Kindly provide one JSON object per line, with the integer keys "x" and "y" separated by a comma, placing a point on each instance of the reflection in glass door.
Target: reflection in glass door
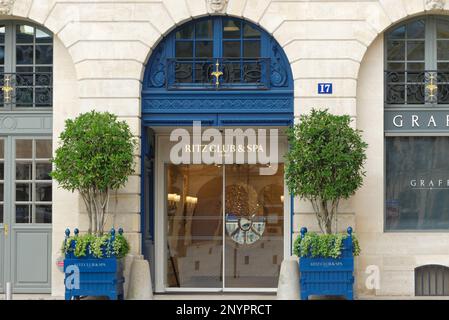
{"x": 195, "y": 230}
{"x": 254, "y": 219}
{"x": 216, "y": 240}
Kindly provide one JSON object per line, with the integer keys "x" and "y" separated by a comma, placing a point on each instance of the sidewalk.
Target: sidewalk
{"x": 170, "y": 296}
{"x": 29, "y": 296}
{"x": 224, "y": 296}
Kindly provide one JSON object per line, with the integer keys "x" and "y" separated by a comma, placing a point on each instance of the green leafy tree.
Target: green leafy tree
{"x": 95, "y": 156}
{"x": 325, "y": 162}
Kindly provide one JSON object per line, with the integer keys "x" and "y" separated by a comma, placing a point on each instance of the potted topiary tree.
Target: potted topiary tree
{"x": 95, "y": 157}
{"x": 325, "y": 165}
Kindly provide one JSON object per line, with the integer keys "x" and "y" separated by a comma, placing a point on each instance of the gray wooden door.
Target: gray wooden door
{"x": 25, "y": 245}
{"x": 26, "y": 100}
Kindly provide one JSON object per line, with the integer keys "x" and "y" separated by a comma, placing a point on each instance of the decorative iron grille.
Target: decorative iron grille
{"x": 416, "y": 87}
{"x": 218, "y": 73}
{"x": 26, "y": 89}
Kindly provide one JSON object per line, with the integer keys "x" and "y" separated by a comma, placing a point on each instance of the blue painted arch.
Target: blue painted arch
{"x": 267, "y": 103}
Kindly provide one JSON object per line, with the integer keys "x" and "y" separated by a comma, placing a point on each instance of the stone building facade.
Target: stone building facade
{"x": 100, "y": 52}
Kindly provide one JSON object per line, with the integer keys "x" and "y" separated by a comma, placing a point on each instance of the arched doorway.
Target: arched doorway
{"x": 26, "y": 100}
{"x": 220, "y": 225}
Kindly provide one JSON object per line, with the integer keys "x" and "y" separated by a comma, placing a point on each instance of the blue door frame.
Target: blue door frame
{"x": 234, "y": 104}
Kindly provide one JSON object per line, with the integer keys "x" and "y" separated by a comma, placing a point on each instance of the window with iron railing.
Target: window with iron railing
{"x": 237, "y": 73}
{"x": 218, "y": 53}
{"x": 417, "y": 63}
{"x": 26, "y": 67}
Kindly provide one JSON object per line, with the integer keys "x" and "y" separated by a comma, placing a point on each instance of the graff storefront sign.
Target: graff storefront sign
{"x": 416, "y": 121}
{"x": 429, "y": 184}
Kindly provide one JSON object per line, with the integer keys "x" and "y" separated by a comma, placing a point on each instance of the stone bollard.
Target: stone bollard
{"x": 288, "y": 286}
{"x": 8, "y": 292}
{"x": 140, "y": 286}
{"x": 127, "y": 262}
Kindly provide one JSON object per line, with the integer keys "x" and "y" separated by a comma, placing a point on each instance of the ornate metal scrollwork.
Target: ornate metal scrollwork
{"x": 27, "y": 89}
{"x": 252, "y": 73}
{"x": 416, "y": 87}
{"x": 443, "y": 87}
{"x": 228, "y": 74}
{"x": 157, "y": 68}
{"x": 279, "y": 75}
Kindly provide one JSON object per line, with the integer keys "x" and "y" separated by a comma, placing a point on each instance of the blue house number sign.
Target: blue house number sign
{"x": 324, "y": 88}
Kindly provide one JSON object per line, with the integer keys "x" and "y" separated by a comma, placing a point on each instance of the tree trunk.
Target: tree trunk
{"x": 328, "y": 225}
{"x": 94, "y": 213}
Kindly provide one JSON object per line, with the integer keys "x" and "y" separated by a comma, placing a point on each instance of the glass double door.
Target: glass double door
{"x": 25, "y": 213}
{"x": 224, "y": 226}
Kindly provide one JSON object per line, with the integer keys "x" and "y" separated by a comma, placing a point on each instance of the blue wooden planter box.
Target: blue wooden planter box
{"x": 328, "y": 276}
{"x": 91, "y": 276}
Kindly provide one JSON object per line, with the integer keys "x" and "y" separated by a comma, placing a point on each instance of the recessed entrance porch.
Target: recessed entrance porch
{"x": 218, "y": 227}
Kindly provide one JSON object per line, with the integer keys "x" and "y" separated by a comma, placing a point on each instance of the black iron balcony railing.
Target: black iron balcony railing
{"x": 26, "y": 89}
{"x": 416, "y": 87}
{"x": 218, "y": 73}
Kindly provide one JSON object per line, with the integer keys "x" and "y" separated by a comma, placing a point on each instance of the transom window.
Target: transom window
{"x": 229, "y": 47}
{"x": 26, "y": 66}
{"x": 417, "y": 62}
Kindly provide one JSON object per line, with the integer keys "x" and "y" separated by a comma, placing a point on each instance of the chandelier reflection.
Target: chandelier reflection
{"x": 173, "y": 200}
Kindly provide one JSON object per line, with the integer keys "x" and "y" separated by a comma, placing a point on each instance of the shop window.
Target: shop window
{"x": 417, "y": 125}
{"x": 417, "y": 183}
{"x": 432, "y": 280}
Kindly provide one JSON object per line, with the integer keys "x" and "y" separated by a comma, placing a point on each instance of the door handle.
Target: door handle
{"x": 6, "y": 229}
